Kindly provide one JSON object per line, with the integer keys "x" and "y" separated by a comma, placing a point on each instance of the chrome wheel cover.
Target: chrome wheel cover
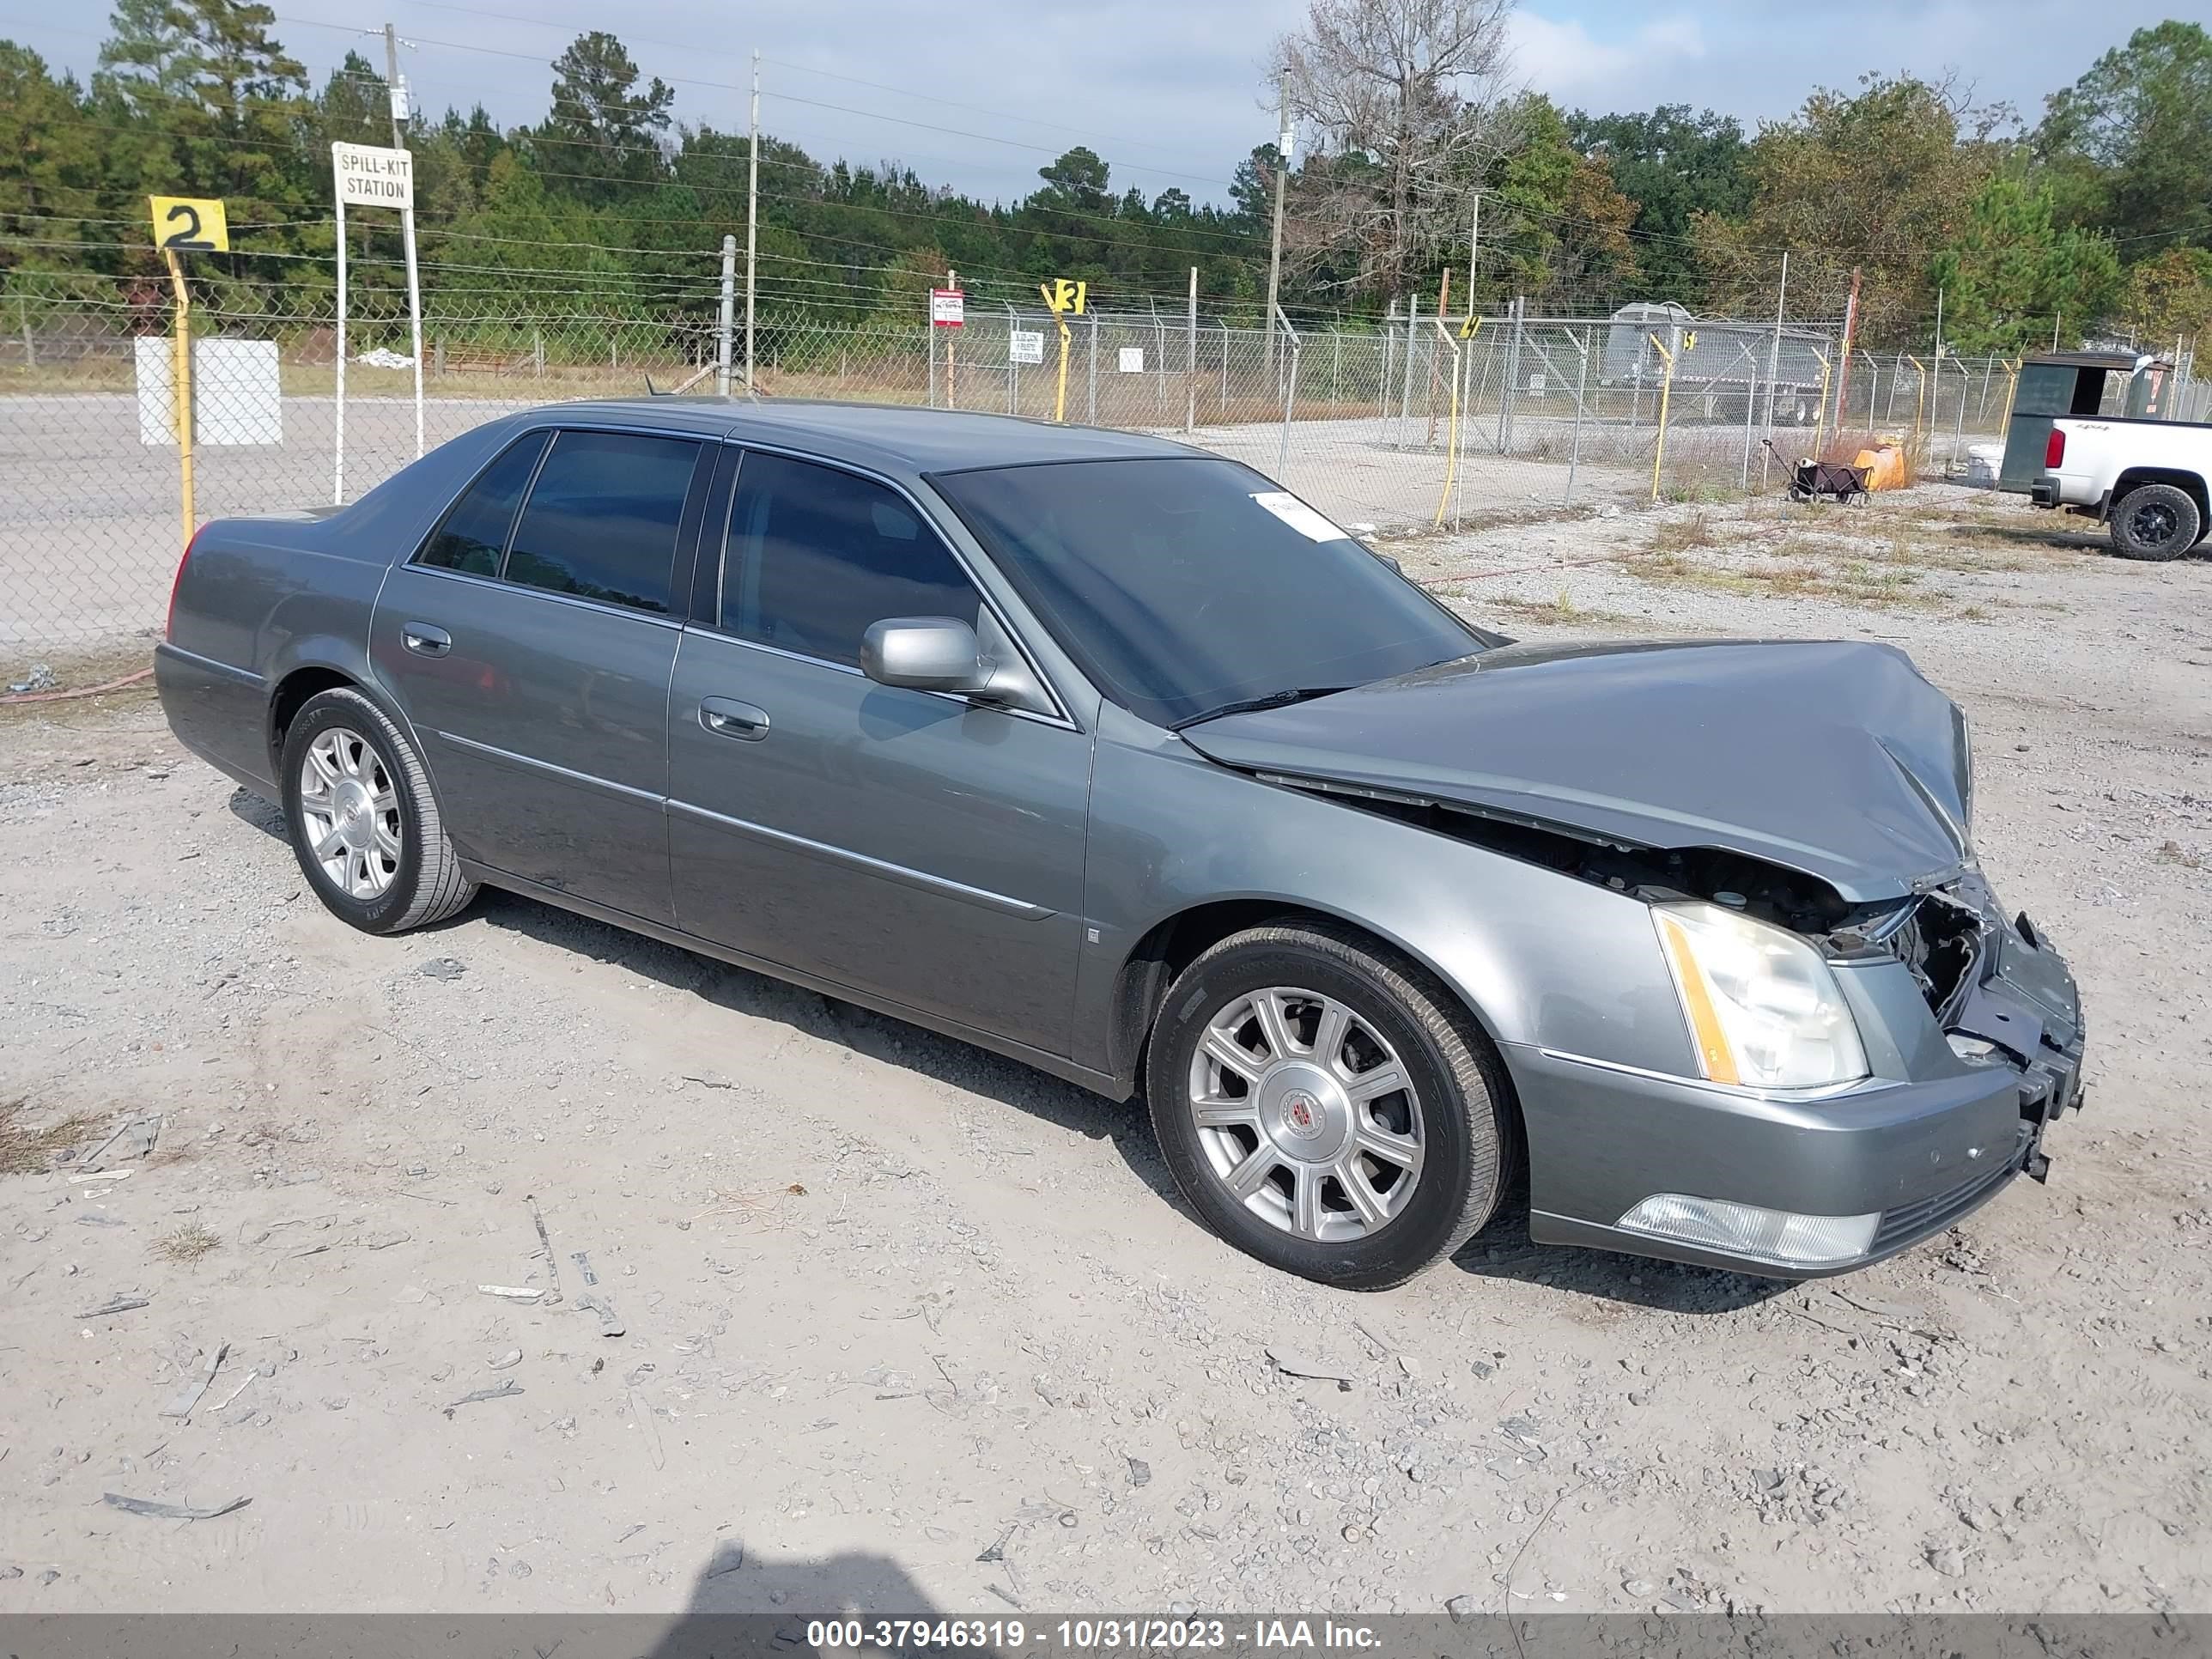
{"x": 349, "y": 813}
{"x": 1306, "y": 1115}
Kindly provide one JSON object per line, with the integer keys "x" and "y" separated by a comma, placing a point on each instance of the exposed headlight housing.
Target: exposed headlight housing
{"x": 1763, "y": 1006}
{"x": 1746, "y": 1230}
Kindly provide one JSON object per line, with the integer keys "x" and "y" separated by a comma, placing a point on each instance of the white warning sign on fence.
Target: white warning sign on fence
{"x": 371, "y": 176}
{"x": 1025, "y": 345}
{"x": 235, "y": 397}
{"x": 1133, "y": 360}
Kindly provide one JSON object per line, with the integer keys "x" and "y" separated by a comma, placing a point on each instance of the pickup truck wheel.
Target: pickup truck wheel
{"x": 2155, "y": 521}
{"x": 363, "y": 822}
{"x": 1325, "y": 1107}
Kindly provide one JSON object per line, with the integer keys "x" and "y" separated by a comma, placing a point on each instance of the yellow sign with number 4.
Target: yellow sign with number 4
{"x": 189, "y": 224}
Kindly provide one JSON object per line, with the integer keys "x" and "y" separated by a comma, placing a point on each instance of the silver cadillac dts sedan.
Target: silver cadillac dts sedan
{"x": 1109, "y": 754}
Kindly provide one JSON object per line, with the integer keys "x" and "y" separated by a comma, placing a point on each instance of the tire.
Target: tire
{"x": 2155, "y": 521}
{"x": 1450, "y": 1137}
{"x": 398, "y": 870}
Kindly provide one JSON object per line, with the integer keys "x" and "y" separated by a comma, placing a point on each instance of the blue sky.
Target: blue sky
{"x": 1169, "y": 93}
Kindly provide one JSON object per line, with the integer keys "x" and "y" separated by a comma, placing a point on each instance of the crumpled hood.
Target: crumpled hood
{"x": 1831, "y": 757}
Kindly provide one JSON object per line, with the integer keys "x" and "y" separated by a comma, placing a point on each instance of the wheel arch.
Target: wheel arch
{"x": 1174, "y": 942}
{"x": 2190, "y": 484}
{"x": 304, "y": 679}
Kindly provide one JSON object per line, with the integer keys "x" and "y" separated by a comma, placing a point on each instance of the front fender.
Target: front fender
{"x": 1538, "y": 958}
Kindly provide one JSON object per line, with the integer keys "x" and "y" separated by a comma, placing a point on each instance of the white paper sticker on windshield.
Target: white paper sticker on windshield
{"x": 1300, "y": 517}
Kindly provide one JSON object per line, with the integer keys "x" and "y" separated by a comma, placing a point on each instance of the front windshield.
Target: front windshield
{"x": 1182, "y": 586}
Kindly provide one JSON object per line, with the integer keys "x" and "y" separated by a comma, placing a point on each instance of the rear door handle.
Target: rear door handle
{"x": 425, "y": 640}
{"x": 726, "y": 717}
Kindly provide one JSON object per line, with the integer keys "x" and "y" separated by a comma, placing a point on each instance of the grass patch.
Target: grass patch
{"x": 1561, "y": 610}
{"x": 186, "y": 1244}
{"x": 1678, "y": 534}
{"x": 26, "y": 1150}
{"x": 1855, "y": 581}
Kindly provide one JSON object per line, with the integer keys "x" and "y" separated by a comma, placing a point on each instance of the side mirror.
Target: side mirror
{"x": 924, "y": 653}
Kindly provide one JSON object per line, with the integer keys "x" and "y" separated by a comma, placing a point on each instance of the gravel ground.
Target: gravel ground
{"x": 904, "y": 1324}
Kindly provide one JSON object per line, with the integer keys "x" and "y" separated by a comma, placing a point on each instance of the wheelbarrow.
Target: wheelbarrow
{"x": 1820, "y": 480}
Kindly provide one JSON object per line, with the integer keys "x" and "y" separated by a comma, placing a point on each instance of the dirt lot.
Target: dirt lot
{"x": 902, "y": 1323}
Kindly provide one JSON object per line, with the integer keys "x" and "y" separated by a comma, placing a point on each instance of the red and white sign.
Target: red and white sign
{"x": 948, "y": 307}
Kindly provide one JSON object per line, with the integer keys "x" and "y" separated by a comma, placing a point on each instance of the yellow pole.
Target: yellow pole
{"x": 1451, "y": 435}
{"x": 1060, "y": 397}
{"x": 1666, "y": 395}
{"x": 180, "y": 386}
{"x": 1820, "y": 420}
{"x": 1919, "y": 402}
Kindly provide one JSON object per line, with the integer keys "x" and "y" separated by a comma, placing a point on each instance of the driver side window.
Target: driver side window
{"x": 815, "y": 554}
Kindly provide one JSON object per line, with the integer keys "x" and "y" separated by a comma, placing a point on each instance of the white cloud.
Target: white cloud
{"x": 1560, "y": 57}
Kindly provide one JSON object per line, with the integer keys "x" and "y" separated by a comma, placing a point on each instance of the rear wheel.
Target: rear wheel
{"x": 1327, "y": 1108}
{"x": 2156, "y": 521}
{"x": 364, "y": 824}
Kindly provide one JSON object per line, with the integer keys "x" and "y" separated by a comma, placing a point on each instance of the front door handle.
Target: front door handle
{"x": 726, "y": 717}
{"x": 425, "y": 640}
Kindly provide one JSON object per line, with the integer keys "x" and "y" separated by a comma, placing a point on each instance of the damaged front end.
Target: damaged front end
{"x": 2003, "y": 1000}
{"x": 2003, "y": 996}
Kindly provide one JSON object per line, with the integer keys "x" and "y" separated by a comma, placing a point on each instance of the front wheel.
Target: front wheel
{"x": 2156, "y": 521}
{"x": 363, "y": 822}
{"x": 1327, "y": 1108}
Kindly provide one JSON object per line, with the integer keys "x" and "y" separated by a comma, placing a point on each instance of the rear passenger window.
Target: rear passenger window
{"x": 474, "y": 534}
{"x": 601, "y": 520}
{"x": 815, "y": 555}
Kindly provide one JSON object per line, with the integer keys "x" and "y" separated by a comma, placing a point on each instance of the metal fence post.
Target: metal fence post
{"x": 1582, "y": 385}
{"x": 1750, "y": 403}
{"x": 726, "y": 317}
{"x": 1013, "y": 369}
{"x": 930, "y": 334}
{"x": 1389, "y": 356}
{"x": 1093, "y": 417}
{"x": 1289, "y": 393}
{"x": 23, "y": 321}
{"x": 1406, "y": 389}
{"x": 1224, "y": 370}
{"x": 1512, "y": 378}
{"x": 1190, "y": 361}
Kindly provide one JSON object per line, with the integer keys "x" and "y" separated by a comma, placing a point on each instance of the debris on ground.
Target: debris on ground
{"x": 170, "y": 1511}
{"x": 443, "y": 968}
{"x": 196, "y": 1386}
{"x": 120, "y": 1304}
{"x": 1316, "y": 1370}
{"x": 40, "y": 679}
{"x": 509, "y": 1387}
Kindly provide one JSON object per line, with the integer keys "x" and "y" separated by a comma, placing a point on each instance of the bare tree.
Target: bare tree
{"x": 1407, "y": 97}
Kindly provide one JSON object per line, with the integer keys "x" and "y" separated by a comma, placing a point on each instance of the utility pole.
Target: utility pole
{"x": 1282, "y": 176}
{"x": 396, "y": 101}
{"x": 396, "y": 97}
{"x": 1473, "y": 242}
{"x": 1851, "y": 333}
{"x": 752, "y": 223}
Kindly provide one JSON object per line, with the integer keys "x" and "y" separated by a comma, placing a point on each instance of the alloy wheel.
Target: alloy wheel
{"x": 350, "y": 813}
{"x": 1306, "y": 1114}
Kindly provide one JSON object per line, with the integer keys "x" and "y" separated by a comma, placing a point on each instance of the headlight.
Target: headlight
{"x": 1763, "y": 1007}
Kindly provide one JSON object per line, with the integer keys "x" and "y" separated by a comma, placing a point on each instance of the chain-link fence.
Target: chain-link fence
{"x": 1393, "y": 427}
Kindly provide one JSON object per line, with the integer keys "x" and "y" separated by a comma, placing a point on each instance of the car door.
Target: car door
{"x": 530, "y": 641}
{"x": 907, "y": 843}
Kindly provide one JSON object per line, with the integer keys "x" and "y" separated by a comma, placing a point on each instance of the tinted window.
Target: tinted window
{"x": 601, "y": 522}
{"x": 1181, "y": 586}
{"x": 816, "y": 555}
{"x": 474, "y": 534}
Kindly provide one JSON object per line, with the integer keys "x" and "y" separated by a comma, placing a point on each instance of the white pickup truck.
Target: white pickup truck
{"x": 2145, "y": 479}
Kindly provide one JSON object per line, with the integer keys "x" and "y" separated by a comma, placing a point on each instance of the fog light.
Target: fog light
{"x": 1777, "y": 1235}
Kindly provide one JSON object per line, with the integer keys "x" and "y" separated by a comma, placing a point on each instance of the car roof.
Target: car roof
{"x": 899, "y": 437}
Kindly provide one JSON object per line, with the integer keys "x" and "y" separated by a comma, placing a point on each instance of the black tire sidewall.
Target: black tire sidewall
{"x": 2185, "y": 537}
{"x": 1407, "y": 1243}
{"x": 356, "y": 714}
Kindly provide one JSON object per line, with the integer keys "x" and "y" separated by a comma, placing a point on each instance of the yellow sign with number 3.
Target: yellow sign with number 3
{"x": 189, "y": 224}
